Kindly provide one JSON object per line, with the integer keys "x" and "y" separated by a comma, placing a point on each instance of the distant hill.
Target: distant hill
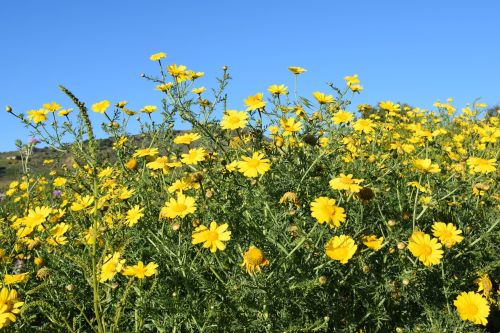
{"x": 11, "y": 163}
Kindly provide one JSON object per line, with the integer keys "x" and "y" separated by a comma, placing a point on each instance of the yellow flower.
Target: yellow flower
{"x": 364, "y": 125}
{"x": 212, "y": 238}
{"x": 140, "y": 271}
{"x": 278, "y": 90}
{"x": 426, "y": 165}
{"x": 296, "y": 70}
{"x": 484, "y": 284}
{"x": 146, "y": 152}
{"x": 481, "y": 165}
{"x": 112, "y": 265}
{"x": 194, "y": 156}
{"x": 341, "y": 248}
{"x": 322, "y": 98}
{"x": 255, "y": 102}
{"x": 133, "y": 215}
{"x": 254, "y": 259}
{"x": 52, "y": 107}
{"x": 347, "y": 183}
{"x": 158, "y": 56}
{"x": 350, "y": 80}
{"x": 290, "y": 126}
{"x": 82, "y": 203}
{"x": 15, "y": 278}
{"x": 427, "y": 250}
{"x": 181, "y": 207}
{"x": 9, "y": 306}
{"x": 59, "y": 181}
{"x": 186, "y": 139}
{"x": 253, "y": 166}
{"x": 448, "y": 234}
{"x": 234, "y": 119}
{"x": 101, "y": 106}
{"x": 38, "y": 116}
{"x": 64, "y": 112}
{"x": 131, "y": 164}
{"x": 323, "y": 209}
{"x": 106, "y": 172}
{"x": 389, "y": 106}
{"x": 164, "y": 86}
{"x": 199, "y": 90}
{"x": 149, "y": 109}
{"x": 472, "y": 306}
{"x": 37, "y": 216}
{"x": 373, "y": 242}
{"x": 232, "y": 166}
{"x": 342, "y": 117}
{"x": 177, "y": 71}
{"x": 160, "y": 163}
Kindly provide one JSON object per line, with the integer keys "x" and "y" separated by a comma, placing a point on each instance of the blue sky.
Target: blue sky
{"x": 417, "y": 52}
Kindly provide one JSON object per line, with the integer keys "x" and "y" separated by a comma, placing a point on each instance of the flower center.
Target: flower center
{"x": 471, "y": 309}
{"x": 253, "y": 163}
{"x": 180, "y": 207}
{"x": 426, "y": 250}
{"x": 254, "y": 256}
{"x": 212, "y": 235}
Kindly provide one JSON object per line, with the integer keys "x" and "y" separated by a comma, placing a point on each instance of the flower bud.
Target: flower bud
{"x": 391, "y": 223}
{"x": 401, "y": 246}
{"x": 322, "y": 279}
{"x": 8, "y": 108}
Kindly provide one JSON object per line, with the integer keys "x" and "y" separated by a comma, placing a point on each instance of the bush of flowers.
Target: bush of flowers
{"x": 286, "y": 214}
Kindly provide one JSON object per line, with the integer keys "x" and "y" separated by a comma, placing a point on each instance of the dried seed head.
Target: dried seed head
{"x": 366, "y": 194}
{"x": 42, "y": 273}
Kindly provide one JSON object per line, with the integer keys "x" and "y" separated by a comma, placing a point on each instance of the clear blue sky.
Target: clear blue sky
{"x": 413, "y": 51}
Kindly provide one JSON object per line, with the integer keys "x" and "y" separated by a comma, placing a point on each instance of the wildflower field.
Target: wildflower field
{"x": 289, "y": 213}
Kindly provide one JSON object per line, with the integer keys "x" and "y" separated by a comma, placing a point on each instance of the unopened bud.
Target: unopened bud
{"x": 406, "y": 282}
{"x": 401, "y": 245}
{"x": 176, "y": 226}
{"x": 391, "y": 223}
{"x": 8, "y": 109}
{"x": 224, "y": 68}
{"x": 322, "y": 279}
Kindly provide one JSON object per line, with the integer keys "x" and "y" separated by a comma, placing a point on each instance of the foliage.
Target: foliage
{"x": 296, "y": 217}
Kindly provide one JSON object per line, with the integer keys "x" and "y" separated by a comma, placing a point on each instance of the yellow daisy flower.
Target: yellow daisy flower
{"x": 341, "y": 248}
{"x": 212, "y": 238}
{"x": 323, "y": 209}
{"x": 473, "y": 307}
{"x": 427, "y": 250}
{"x": 234, "y": 119}
{"x": 253, "y": 166}
{"x": 181, "y": 207}
{"x": 254, "y": 259}
{"x": 448, "y": 234}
